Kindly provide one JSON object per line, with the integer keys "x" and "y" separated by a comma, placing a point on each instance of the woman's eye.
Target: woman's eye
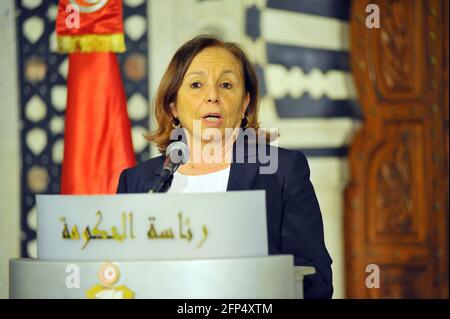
{"x": 226, "y": 85}
{"x": 196, "y": 85}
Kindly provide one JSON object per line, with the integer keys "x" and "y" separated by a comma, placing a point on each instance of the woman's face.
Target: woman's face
{"x": 212, "y": 92}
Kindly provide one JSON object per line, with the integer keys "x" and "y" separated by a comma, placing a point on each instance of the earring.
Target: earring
{"x": 176, "y": 123}
{"x": 245, "y": 121}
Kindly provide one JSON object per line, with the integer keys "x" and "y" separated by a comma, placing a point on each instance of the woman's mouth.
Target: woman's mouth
{"x": 212, "y": 119}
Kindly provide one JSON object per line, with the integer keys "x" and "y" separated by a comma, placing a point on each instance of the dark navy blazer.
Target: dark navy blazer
{"x": 294, "y": 220}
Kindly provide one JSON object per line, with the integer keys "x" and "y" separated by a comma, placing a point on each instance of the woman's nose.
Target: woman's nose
{"x": 213, "y": 95}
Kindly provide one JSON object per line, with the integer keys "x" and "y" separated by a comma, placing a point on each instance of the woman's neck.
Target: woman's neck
{"x": 208, "y": 157}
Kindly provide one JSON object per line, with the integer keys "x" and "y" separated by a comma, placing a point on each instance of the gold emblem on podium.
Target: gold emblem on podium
{"x": 108, "y": 275}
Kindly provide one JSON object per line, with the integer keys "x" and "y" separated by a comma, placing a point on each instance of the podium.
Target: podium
{"x": 181, "y": 246}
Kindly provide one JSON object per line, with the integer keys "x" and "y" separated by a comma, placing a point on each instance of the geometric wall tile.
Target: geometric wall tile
{"x": 52, "y": 12}
{"x": 52, "y": 42}
{"x": 58, "y": 151}
{"x": 57, "y": 124}
{"x": 33, "y": 28}
{"x": 35, "y": 69}
{"x": 64, "y": 68}
{"x": 35, "y": 110}
{"x": 32, "y": 248}
{"x": 135, "y": 67}
{"x": 59, "y": 97}
{"x": 31, "y": 4}
{"x": 135, "y": 26}
{"x": 295, "y": 82}
{"x": 133, "y": 3}
{"x": 32, "y": 218}
{"x": 137, "y": 107}
{"x": 37, "y": 179}
{"x": 137, "y": 135}
{"x": 36, "y": 140}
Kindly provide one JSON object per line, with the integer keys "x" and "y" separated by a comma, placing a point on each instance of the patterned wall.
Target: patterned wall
{"x": 42, "y": 81}
{"x": 302, "y": 56}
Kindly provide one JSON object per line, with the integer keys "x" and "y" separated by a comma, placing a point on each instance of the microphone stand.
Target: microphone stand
{"x": 164, "y": 181}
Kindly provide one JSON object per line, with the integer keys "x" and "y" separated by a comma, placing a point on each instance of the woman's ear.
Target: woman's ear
{"x": 246, "y": 102}
{"x": 173, "y": 110}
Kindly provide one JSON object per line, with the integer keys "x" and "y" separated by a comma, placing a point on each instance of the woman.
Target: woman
{"x": 210, "y": 86}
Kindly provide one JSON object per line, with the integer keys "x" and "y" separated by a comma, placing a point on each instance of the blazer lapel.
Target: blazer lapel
{"x": 242, "y": 175}
{"x": 153, "y": 177}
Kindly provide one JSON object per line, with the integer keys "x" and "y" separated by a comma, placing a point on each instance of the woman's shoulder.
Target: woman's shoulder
{"x": 281, "y": 161}
{"x": 134, "y": 179}
{"x": 146, "y": 167}
{"x": 285, "y": 156}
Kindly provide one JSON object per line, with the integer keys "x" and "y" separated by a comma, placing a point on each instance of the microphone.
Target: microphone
{"x": 177, "y": 153}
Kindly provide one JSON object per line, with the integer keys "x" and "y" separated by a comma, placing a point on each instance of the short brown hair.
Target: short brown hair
{"x": 173, "y": 77}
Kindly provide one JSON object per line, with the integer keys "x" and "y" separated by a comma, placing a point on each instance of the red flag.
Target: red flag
{"x": 97, "y": 136}
{"x": 83, "y": 26}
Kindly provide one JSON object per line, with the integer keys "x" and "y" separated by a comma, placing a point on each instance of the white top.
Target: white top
{"x": 206, "y": 183}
